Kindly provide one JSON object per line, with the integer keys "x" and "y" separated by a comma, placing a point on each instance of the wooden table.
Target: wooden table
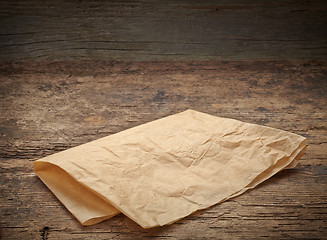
{"x": 74, "y": 71}
{"x": 47, "y": 107}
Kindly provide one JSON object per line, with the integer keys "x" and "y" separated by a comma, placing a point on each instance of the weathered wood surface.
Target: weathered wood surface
{"x": 49, "y": 107}
{"x": 157, "y": 30}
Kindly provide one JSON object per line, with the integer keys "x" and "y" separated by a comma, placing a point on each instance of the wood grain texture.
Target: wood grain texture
{"x": 162, "y": 30}
{"x": 47, "y": 107}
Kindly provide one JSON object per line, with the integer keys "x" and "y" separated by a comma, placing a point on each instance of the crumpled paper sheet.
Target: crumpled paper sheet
{"x": 162, "y": 171}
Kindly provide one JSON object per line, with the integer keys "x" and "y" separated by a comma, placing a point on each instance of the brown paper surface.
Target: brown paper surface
{"x": 162, "y": 171}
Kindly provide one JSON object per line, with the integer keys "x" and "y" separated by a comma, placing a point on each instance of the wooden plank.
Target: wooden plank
{"x": 162, "y": 30}
{"x": 47, "y": 107}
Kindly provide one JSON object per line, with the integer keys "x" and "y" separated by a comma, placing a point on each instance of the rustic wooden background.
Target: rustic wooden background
{"x": 165, "y": 29}
{"x": 75, "y": 71}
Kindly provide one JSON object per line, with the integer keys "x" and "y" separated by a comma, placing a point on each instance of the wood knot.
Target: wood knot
{"x": 44, "y": 233}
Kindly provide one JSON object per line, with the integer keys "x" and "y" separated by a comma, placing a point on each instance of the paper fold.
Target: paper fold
{"x": 162, "y": 171}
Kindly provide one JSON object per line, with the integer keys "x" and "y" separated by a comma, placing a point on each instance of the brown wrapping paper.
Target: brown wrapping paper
{"x": 162, "y": 171}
